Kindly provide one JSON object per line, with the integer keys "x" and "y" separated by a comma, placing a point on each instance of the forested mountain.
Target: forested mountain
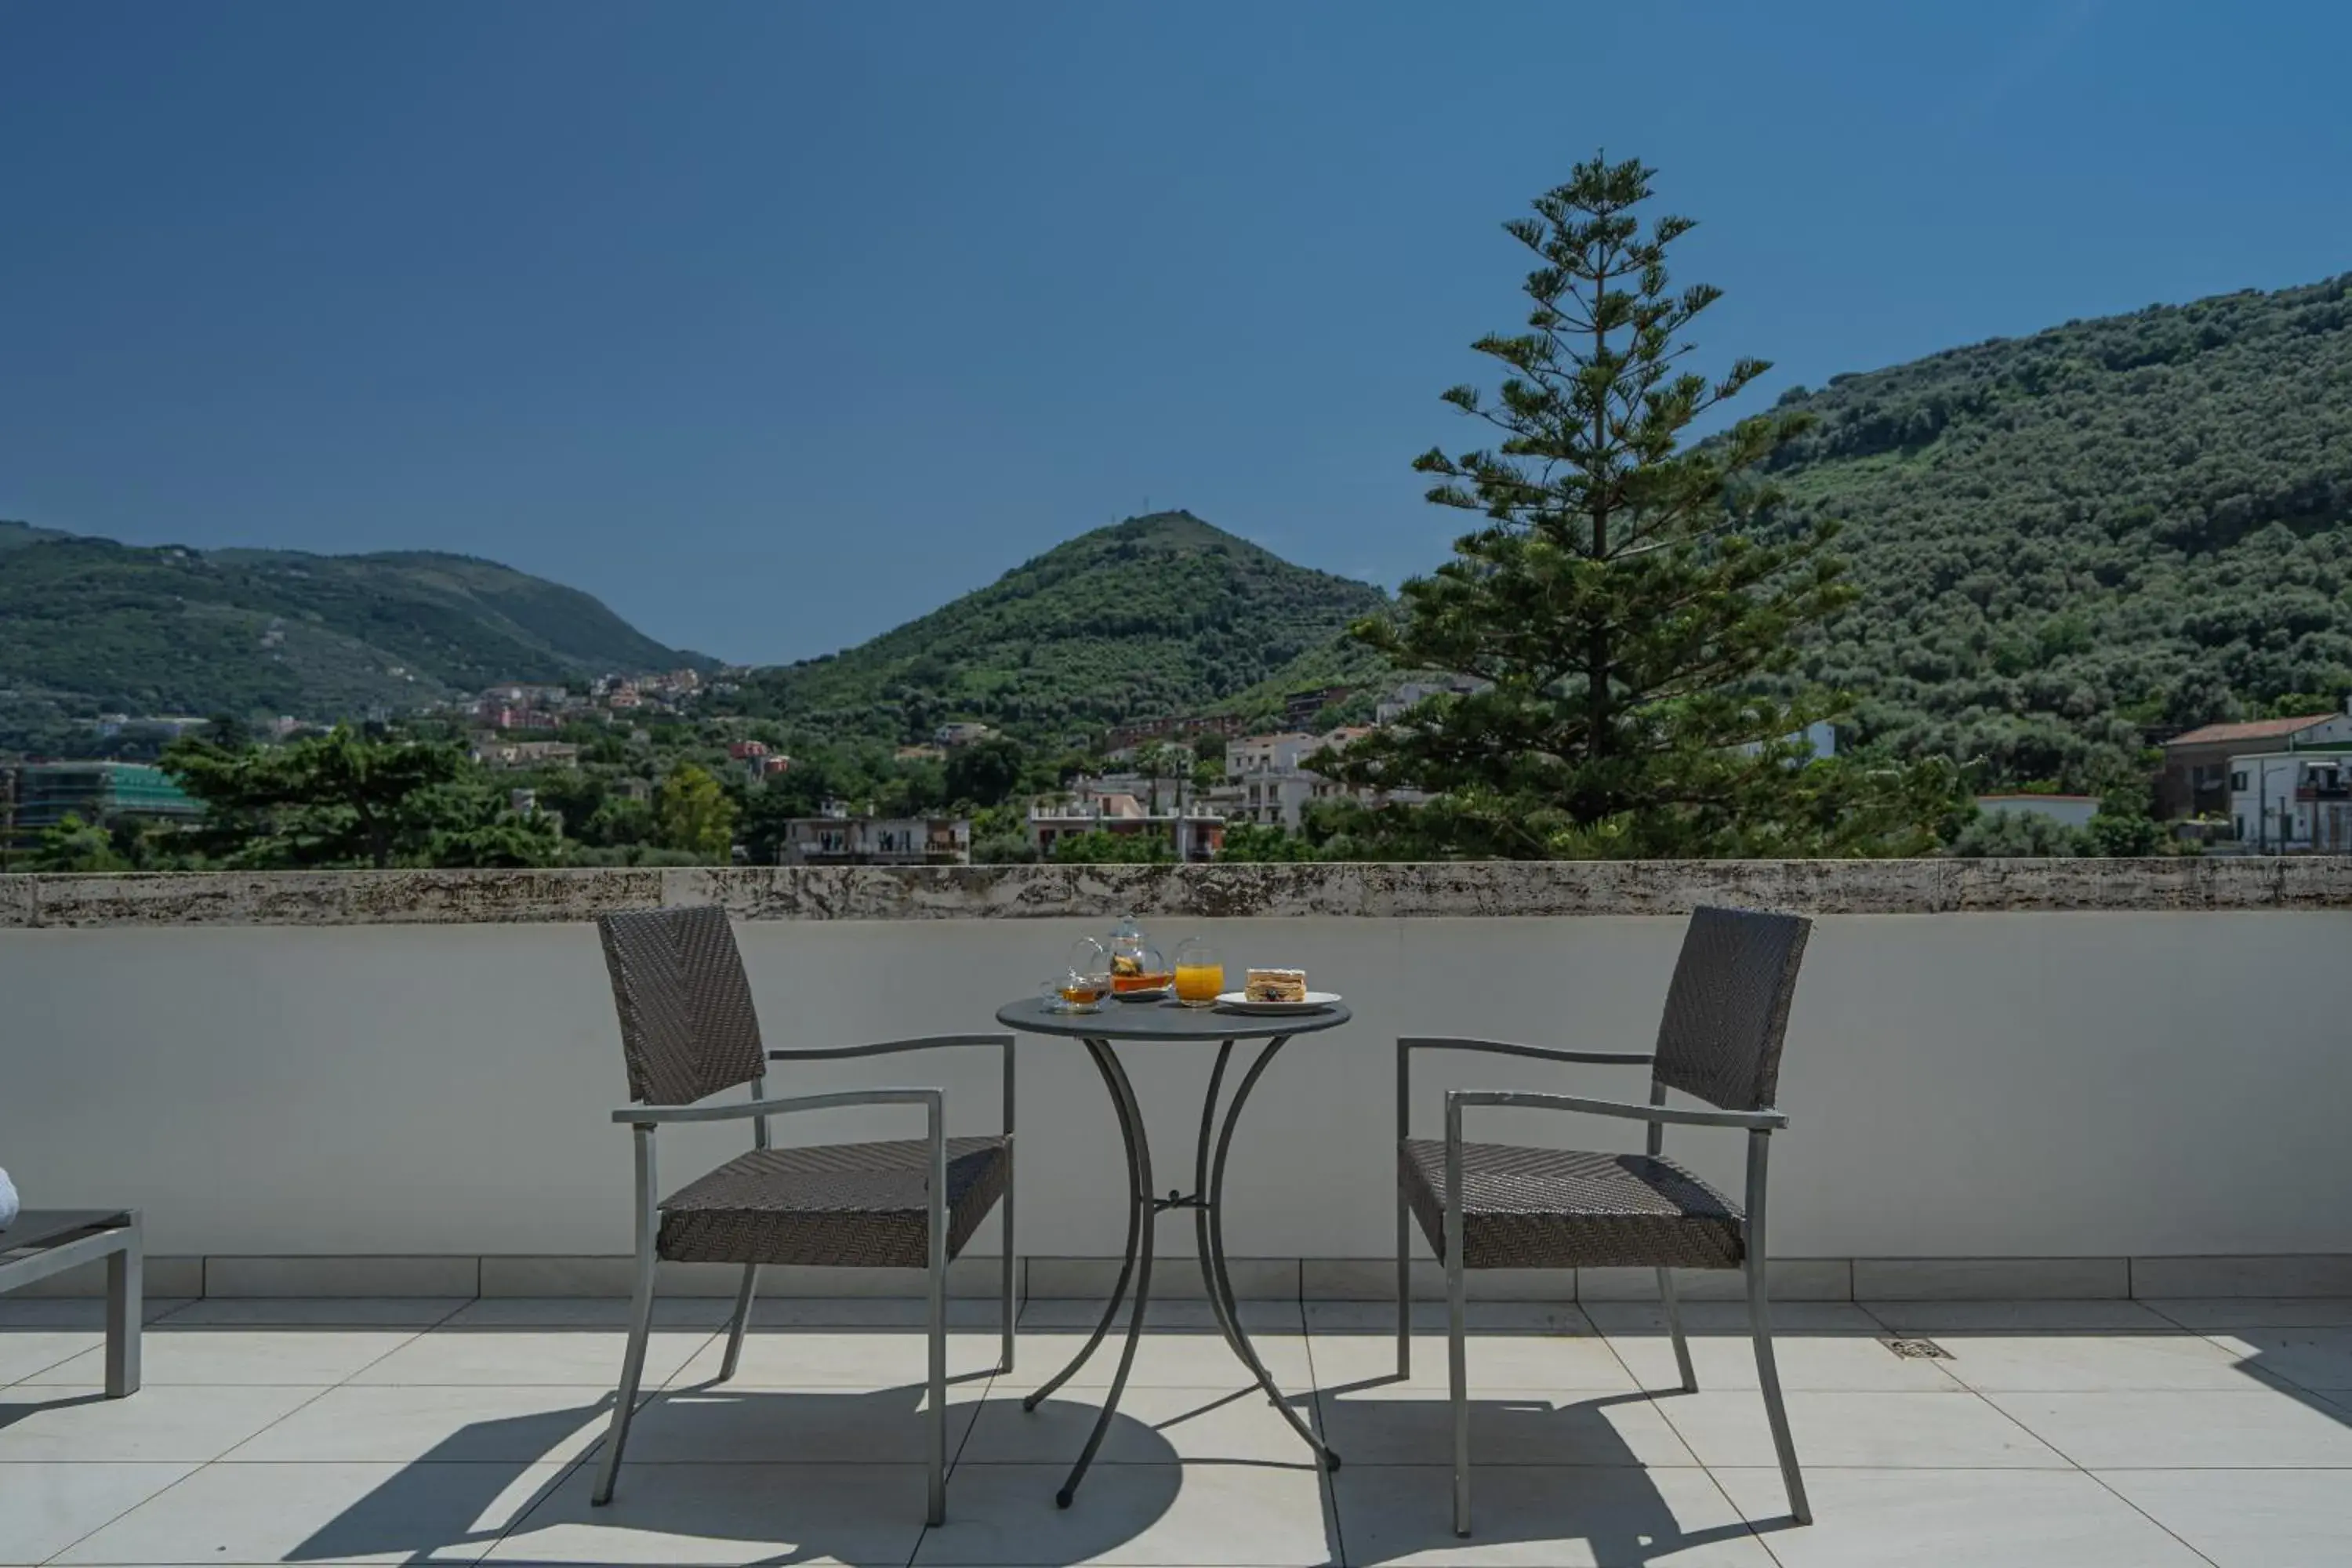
{"x": 2116, "y": 529}
{"x": 1161, "y": 614}
{"x": 87, "y": 624}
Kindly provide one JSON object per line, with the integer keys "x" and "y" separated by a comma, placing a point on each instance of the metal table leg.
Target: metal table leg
{"x": 1213, "y": 1269}
{"x": 1130, "y": 1120}
{"x": 1138, "y": 1219}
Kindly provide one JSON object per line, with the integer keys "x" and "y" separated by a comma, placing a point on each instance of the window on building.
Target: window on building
{"x": 2238, "y": 779}
{"x": 2239, "y": 828}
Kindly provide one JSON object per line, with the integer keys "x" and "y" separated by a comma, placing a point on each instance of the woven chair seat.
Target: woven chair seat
{"x": 833, "y": 1205}
{"x": 1553, "y": 1209}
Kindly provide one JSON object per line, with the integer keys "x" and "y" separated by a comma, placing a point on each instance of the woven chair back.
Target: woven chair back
{"x": 1728, "y": 1008}
{"x": 687, "y": 1027}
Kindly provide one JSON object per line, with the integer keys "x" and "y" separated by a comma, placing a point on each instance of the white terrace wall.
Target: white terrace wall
{"x": 2011, "y": 1083}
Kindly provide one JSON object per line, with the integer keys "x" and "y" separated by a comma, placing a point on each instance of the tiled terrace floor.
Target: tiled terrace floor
{"x": 2066, "y": 1432}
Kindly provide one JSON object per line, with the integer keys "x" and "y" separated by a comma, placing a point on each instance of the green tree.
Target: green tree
{"x": 985, "y": 773}
{"x": 73, "y": 845}
{"x": 337, "y": 799}
{"x": 1101, "y": 847}
{"x": 693, "y": 814}
{"x": 2021, "y": 834}
{"x": 1261, "y": 841}
{"x": 1619, "y": 607}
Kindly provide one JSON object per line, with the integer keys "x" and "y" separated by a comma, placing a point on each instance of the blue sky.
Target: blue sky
{"x": 775, "y": 324}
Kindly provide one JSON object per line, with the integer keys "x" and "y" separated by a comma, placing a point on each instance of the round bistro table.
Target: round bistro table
{"x": 1165, "y": 1022}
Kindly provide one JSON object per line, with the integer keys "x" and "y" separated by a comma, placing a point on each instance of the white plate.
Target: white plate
{"x": 1239, "y": 1002}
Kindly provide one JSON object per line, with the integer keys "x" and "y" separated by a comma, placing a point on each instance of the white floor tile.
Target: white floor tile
{"x": 1496, "y": 1363}
{"x": 1179, "y": 1359}
{"x": 587, "y": 1313}
{"x": 809, "y": 1426}
{"x": 1383, "y": 1426}
{"x": 1835, "y": 1362}
{"x": 426, "y": 1423}
{"x": 1376, "y": 1318}
{"x": 317, "y": 1311}
{"x": 49, "y": 1423}
{"x": 1953, "y": 1430}
{"x": 2164, "y": 1430}
{"x": 1558, "y": 1517}
{"x": 2208, "y": 1312}
{"x": 321, "y": 1513}
{"x": 2089, "y": 1361}
{"x": 1153, "y": 1426}
{"x": 1729, "y": 1318}
{"x": 1190, "y": 1315}
{"x": 2309, "y": 1358}
{"x": 682, "y": 1514}
{"x": 579, "y": 1357}
{"x": 803, "y": 1358}
{"x": 74, "y": 1311}
{"x": 248, "y": 1356}
{"x": 29, "y": 1353}
{"x": 2249, "y": 1518}
{"x": 1198, "y": 1514}
{"x": 2030, "y": 1316}
{"x": 1953, "y": 1519}
{"x": 44, "y": 1509}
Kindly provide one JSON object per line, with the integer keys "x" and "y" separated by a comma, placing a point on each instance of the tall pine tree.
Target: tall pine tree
{"x": 1619, "y": 613}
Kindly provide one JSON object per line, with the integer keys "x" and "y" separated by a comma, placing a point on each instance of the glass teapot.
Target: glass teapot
{"x": 1137, "y": 968}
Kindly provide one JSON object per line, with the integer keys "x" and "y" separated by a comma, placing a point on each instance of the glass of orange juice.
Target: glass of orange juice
{"x": 1200, "y": 974}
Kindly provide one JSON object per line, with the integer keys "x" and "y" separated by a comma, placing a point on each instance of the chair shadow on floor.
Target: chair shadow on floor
{"x": 1542, "y": 1474}
{"x": 735, "y": 1470}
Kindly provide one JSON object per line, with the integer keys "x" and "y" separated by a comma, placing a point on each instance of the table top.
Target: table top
{"x": 1116, "y": 1020}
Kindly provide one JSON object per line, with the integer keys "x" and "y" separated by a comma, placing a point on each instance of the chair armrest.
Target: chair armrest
{"x": 926, "y": 1043}
{"x": 1505, "y": 1048}
{"x": 1754, "y": 1121}
{"x": 656, "y": 1115}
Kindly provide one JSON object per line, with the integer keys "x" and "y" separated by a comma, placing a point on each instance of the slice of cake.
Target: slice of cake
{"x": 1275, "y": 985}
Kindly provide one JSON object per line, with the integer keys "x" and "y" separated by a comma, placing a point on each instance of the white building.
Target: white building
{"x": 1265, "y": 782}
{"x": 2291, "y": 801}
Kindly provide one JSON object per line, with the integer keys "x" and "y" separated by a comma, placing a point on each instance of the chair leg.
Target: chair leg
{"x": 125, "y": 1309}
{"x": 1404, "y": 1287}
{"x": 1767, "y": 1375}
{"x": 1674, "y": 1328}
{"x": 735, "y": 1327}
{"x": 936, "y": 1511}
{"x": 1458, "y": 1377}
{"x": 1004, "y": 1355}
{"x": 632, "y": 1367}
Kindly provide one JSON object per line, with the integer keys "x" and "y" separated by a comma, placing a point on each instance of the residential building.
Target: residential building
{"x": 1299, "y": 709}
{"x": 1411, "y": 694}
{"x": 42, "y": 794}
{"x": 2288, "y": 802}
{"x": 2067, "y": 810}
{"x": 1121, "y": 738}
{"x": 1196, "y": 832}
{"x": 2196, "y": 765}
{"x": 1265, "y": 781}
{"x": 838, "y": 838}
{"x": 962, "y": 732}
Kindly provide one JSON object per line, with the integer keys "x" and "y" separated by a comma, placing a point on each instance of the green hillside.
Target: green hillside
{"x": 2112, "y": 530}
{"x": 90, "y": 625}
{"x": 1157, "y": 615}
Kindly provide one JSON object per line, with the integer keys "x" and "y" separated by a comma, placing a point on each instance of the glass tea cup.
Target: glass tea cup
{"x": 1200, "y": 974}
{"x": 1073, "y": 992}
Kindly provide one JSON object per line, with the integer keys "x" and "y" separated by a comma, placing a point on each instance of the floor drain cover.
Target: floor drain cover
{"x": 1918, "y": 1349}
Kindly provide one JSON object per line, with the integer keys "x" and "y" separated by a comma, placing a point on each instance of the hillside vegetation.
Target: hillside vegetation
{"x": 2114, "y": 530}
{"x": 1157, "y": 615}
{"x": 90, "y": 625}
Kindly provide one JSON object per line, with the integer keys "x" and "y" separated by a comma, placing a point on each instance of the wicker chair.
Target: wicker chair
{"x": 688, "y": 1031}
{"x": 1487, "y": 1205}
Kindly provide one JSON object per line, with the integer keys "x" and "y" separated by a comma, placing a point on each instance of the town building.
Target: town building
{"x": 1266, "y": 781}
{"x": 839, "y": 838}
{"x": 1299, "y": 709}
{"x": 1409, "y": 695}
{"x": 961, "y": 732}
{"x": 527, "y": 754}
{"x": 34, "y": 796}
{"x": 2196, "y": 765}
{"x": 1122, "y": 739}
{"x": 2293, "y": 802}
{"x": 1195, "y": 832}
